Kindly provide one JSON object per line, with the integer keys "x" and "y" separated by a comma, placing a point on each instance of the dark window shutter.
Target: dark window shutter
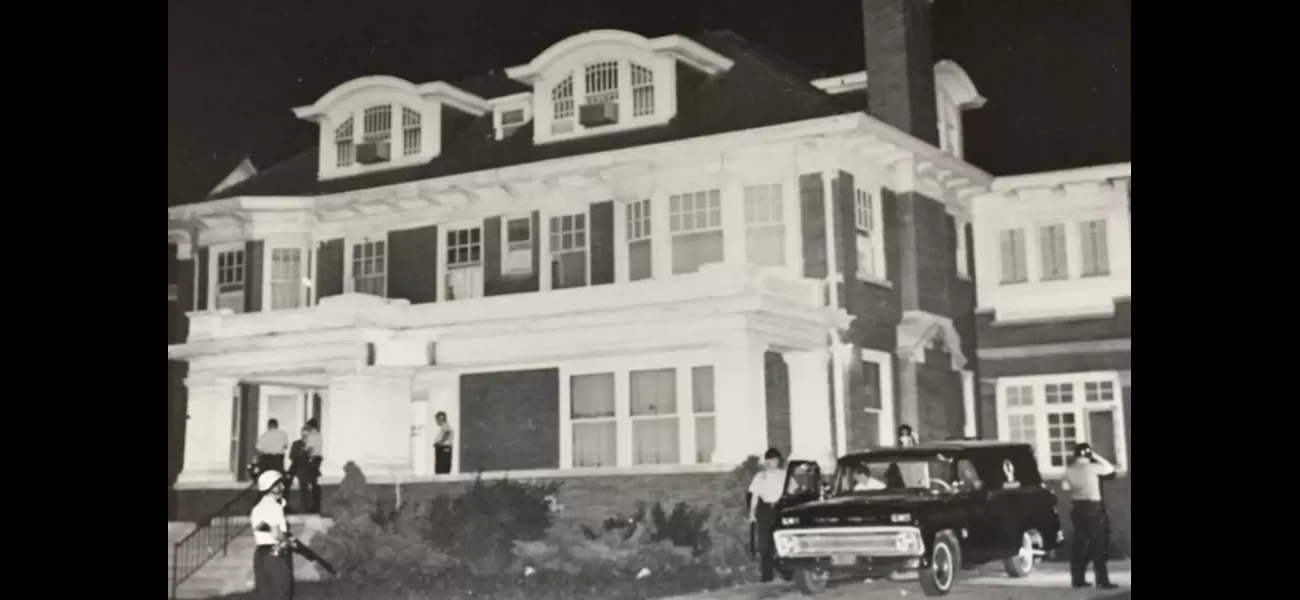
{"x": 248, "y": 418}
{"x": 602, "y": 242}
{"x": 184, "y": 298}
{"x": 846, "y": 243}
{"x": 492, "y": 279}
{"x": 537, "y": 252}
{"x": 329, "y": 269}
{"x": 201, "y": 269}
{"x": 253, "y": 276}
{"x": 813, "y": 213}
{"x": 413, "y": 264}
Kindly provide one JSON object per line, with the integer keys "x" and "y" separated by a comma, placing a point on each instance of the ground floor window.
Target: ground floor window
{"x": 1055, "y": 412}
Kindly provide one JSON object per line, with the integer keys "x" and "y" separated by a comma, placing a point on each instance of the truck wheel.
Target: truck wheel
{"x": 945, "y": 559}
{"x": 810, "y": 582}
{"x": 1027, "y": 557}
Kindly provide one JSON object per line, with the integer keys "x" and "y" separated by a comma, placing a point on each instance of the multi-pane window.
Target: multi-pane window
{"x": 1074, "y": 408}
{"x": 655, "y": 424}
{"x": 464, "y": 263}
{"x": 511, "y": 120}
{"x": 1051, "y": 245}
{"x": 643, "y": 91}
{"x": 703, "y": 404}
{"x": 344, "y": 148}
{"x": 764, "y": 225}
{"x": 411, "y": 134}
{"x": 230, "y": 280}
{"x": 602, "y": 82}
{"x": 594, "y": 422}
{"x": 1013, "y": 266}
{"x": 568, "y": 251}
{"x": 869, "y": 240}
{"x": 286, "y": 278}
{"x": 519, "y": 246}
{"x": 377, "y": 124}
{"x": 562, "y": 106}
{"x": 1094, "y": 247}
{"x": 695, "y": 221}
{"x": 369, "y": 268}
{"x": 639, "y": 249}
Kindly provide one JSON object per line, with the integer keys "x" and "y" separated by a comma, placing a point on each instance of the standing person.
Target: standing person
{"x": 298, "y": 469}
{"x": 442, "y": 441}
{"x": 309, "y": 478}
{"x": 1088, "y": 517}
{"x": 271, "y": 447}
{"x": 906, "y": 439}
{"x": 765, "y": 490}
{"x": 273, "y": 559}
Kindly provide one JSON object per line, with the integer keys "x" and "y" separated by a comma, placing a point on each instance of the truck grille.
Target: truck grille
{"x": 861, "y": 541}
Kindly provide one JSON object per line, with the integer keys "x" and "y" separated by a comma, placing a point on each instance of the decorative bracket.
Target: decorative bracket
{"x": 920, "y": 330}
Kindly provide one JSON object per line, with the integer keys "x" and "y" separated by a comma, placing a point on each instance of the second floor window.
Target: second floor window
{"x": 764, "y": 225}
{"x": 1013, "y": 268}
{"x": 695, "y": 220}
{"x": 568, "y": 251}
{"x": 369, "y": 260}
{"x": 464, "y": 263}
{"x": 563, "y": 112}
{"x": 870, "y": 240}
{"x": 519, "y": 246}
{"x": 230, "y": 280}
{"x": 643, "y": 91}
{"x": 1096, "y": 256}
{"x": 1052, "y": 252}
{"x": 286, "y": 278}
{"x": 410, "y": 132}
{"x": 640, "y": 254}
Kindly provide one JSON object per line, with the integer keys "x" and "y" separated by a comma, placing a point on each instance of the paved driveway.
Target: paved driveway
{"x": 1052, "y": 582}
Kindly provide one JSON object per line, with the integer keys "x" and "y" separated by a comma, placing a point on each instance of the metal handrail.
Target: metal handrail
{"x": 211, "y": 535}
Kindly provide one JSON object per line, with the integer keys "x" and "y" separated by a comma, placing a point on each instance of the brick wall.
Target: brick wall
{"x": 777, "y": 376}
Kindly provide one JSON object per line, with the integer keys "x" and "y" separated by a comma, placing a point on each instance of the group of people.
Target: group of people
{"x": 1090, "y": 541}
{"x": 304, "y": 460}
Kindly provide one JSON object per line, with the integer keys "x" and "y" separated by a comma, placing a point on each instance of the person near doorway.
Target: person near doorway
{"x": 270, "y": 447}
{"x": 309, "y": 478}
{"x": 298, "y": 469}
{"x": 765, "y": 490}
{"x": 273, "y": 558}
{"x": 442, "y": 441}
{"x": 1090, "y": 541}
{"x": 906, "y": 439}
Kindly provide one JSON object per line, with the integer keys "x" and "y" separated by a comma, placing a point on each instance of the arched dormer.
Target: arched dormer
{"x": 955, "y": 93}
{"x": 608, "y": 80}
{"x": 379, "y": 122}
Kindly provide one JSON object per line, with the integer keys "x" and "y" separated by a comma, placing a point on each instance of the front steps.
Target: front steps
{"x": 232, "y": 572}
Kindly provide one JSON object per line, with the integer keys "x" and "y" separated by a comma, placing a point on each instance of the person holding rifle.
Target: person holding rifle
{"x": 272, "y": 560}
{"x": 1088, "y": 517}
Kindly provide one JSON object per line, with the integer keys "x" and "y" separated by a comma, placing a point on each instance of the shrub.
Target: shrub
{"x": 482, "y": 525}
{"x": 728, "y": 522}
{"x": 570, "y": 548}
{"x": 683, "y": 527}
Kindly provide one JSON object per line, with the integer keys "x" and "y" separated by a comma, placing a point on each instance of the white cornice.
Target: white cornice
{"x": 1096, "y": 174}
{"x": 679, "y": 48}
{"x": 441, "y": 91}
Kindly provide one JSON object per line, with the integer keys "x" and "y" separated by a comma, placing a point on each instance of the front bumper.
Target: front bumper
{"x": 862, "y": 566}
{"x": 861, "y": 550}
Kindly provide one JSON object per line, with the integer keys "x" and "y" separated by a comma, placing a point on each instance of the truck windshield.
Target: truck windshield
{"x": 868, "y": 475}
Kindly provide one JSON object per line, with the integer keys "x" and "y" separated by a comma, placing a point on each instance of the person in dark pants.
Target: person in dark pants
{"x": 309, "y": 478}
{"x": 765, "y": 490}
{"x": 271, "y": 446}
{"x": 273, "y": 558}
{"x": 1091, "y": 541}
{"x": 298, "y": 470}
{"x": 442, "y": 441}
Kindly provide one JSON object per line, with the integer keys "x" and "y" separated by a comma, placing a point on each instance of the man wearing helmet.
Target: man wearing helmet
{"x": 272, "y": 561}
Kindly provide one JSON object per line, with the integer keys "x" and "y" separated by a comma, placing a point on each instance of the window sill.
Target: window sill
{"x": 876, "y": 281}
{"x": 1014, "y": 282}
{"x": 964, "y": 276}
{"x": 1094, "y": 275}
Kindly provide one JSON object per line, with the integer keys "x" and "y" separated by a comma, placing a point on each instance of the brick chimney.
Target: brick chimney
{"x": 900, "y": 65}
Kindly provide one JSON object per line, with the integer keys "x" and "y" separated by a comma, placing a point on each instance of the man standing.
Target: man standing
{"x": 273, "y": 559}
{"x": 1088, "y": 517}
{"x": 309, "y": 478}
{"x": 271, "y": 447}
{"x": 442, "y": 441}
{"x": 765, "y": 490}
{"x": 906, "y": 439}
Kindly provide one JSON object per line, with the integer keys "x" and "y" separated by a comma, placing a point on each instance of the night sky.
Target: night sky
{"x": 1057, "y": 73}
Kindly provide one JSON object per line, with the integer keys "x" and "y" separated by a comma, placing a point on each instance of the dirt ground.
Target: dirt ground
{"x": 1049, "y": 582}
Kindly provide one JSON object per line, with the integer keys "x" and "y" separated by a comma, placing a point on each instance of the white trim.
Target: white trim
{"x": 1064, "y": 177}
{"x": 968, "y": 403}
{"x": 887, "y": 401}
{"x": 1079, "y": 407}
{"x": 213, "y": 252}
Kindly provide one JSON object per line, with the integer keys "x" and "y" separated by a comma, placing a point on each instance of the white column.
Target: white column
{"x": 733, "y": 222}
{"x": 810, "y": 405}
{"x": 741, "y": 402}
{"x": 369, "y": 424}
{"x": 209, "y": 430}
{"x": 968, "y": 403}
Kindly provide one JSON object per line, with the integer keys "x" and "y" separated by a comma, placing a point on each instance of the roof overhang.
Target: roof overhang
{"x": 439, "y": 90}
{"x": 680, "y": 48}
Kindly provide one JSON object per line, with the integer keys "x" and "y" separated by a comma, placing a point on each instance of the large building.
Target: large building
{"x": 627, "y": 260}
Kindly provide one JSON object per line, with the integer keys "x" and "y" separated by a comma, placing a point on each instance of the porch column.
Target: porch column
{"x": 369, "y": 424}
{"x": 209, "y": 430}
{"x": 810, "y": 406}
{"x": 968, "y": 403}
{"x": 741, "y": 402}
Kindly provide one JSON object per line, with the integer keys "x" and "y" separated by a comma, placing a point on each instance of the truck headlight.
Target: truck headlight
{"x": 785, "y": 545}
{"x": 908, "y": 542}
{"x": 789, "y": 521}
{"x": 900, "y": 518}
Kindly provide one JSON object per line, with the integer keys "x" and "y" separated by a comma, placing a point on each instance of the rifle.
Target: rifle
{"x": 293, "y": 544}
{"x": 753, "y": 530}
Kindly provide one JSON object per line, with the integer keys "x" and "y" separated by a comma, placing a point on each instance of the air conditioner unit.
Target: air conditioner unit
{"x": 371, "y": 153}
{"x": 598, "y": 114}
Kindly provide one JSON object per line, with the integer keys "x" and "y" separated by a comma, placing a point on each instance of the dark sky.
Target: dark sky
{"x": 1057, "y": 73}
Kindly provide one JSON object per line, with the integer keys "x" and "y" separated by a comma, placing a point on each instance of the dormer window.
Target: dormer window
{"x": 343, "y": 147}
{"x": 602, "y": 83}
{"x": 512, "y": 120}
{"x": 376, "y": 136}
{"x": 410, "y": 132}
{"x": 562, "y": 103}
{"x": 643, "y": 91}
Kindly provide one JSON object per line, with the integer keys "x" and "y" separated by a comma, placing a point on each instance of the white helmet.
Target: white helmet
{"x": 267, "y": 480}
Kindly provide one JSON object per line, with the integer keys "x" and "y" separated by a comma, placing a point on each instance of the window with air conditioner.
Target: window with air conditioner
{"x": 464, "y": 263}
{"x": 387, "y": 133}
{"x": 518, "y": 255}
{"x": 695, "y": 222}
{"x": 598, "y": 95}
{"x": 568, "y": 251}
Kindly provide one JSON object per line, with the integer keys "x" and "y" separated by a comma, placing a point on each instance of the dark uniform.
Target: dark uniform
{"x": 1091, "y": 539}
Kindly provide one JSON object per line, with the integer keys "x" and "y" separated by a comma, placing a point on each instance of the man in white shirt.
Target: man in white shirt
{"x": 271, "y": 447}
{"x": 442, "y": 441}
{"x": 1088, "y": 516}
{"x": 273, "y": 558}
{"x": 765, "y": 490}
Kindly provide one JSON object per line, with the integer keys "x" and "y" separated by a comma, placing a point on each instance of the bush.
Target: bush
{"x": 728, "y": 522}
{"x": 482, "y": 525}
